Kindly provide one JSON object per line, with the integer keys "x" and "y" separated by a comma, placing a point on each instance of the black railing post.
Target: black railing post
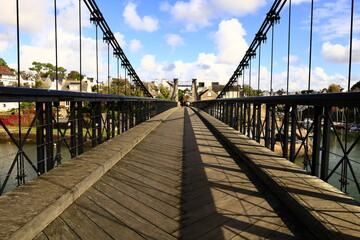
{"x": 258, "y": 128}
{"x": 118, "y": 123}
{"x": 99, "y": 121}
{"x": 273, "y": 127}
{"x": 293, "y": 133}
{"x": 80, "y": 135}
{"x": 325, "y": 145}
{"x": 254, "y": 116}
{"x": 93, "y": 123}
{"x": 72, "y": 129}
{"x": 316, "y": 142}
{"x": 108, "y": 110}
{"x": 40, "y": 138}
{"x": 249, "y": 119}
{"x": 231, "y": 115}
{"x": 245, "y": 106}
{"x": 267, "y": 126}
{"x": 113, "y": 122}
{"x": 49, "y": 137}
{"x": 285, "y": 153}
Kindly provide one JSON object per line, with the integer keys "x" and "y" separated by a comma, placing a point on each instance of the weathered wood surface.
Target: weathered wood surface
{"x": 326, "y": 211}
{"x": 178, "y": 183}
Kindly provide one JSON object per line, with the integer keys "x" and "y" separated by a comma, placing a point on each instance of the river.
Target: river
{"x": 8, "y": 153}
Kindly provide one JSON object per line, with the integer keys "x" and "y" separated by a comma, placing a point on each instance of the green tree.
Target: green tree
{"x": 75, "y": 75}
{"x": 164, "y": 93}
{"x": 62, "y": 71}
{"x": 250, "y": 92}
{"x": 37, "y": 67}
{"x": 4, "y": 64}
{"x": 40, "y": 84}
{"x": 334, "y": 88}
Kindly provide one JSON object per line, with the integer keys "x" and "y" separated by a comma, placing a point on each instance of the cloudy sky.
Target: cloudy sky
{"x": 203, "y": 39}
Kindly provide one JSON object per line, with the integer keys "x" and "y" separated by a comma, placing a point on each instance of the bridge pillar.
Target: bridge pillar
{"x": 175, "y": 94}
{"x": 194, "y": 91}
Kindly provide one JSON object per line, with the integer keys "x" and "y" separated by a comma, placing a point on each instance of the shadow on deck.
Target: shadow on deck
{"x": 178, "y": 176}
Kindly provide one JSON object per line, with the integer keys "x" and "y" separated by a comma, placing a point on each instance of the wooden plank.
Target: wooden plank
{"x": 145, "y": 228}
{"x": 144, "y": 187}
{"x": 114, "y": 227}
{"x": 137, "y": 207}
{"x": 151, "y": 201}
{"x": 82, "y": 225}
{"x": 159, "y": 175}
{"x": 41, "y": 236}
{"x": 156, "y": 184}
{"x": 59, "y": 230}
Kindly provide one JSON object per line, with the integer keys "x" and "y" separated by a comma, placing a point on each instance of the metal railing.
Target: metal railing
{"x": 302, "y": 125}
{"x": 62, "y": 123}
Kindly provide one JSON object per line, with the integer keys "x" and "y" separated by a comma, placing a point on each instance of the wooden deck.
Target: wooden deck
{"x": 178, "y": 183}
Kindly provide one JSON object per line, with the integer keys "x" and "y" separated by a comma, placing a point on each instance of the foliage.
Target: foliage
{"x": 40, "y": 84}
{"x": 27, "y": 106}
{"x": 250, "y": 92}
{"x": 165, "y": 93}
{"x": 182, "y": 94}
{"x": 75, "y": 75}
{"x": 334, "y": 88}
{"x": 138, "y": 93}
{"x": 356, "y": 87}
{"x": 46, "y": 69}
{"x": 4, "y": 64}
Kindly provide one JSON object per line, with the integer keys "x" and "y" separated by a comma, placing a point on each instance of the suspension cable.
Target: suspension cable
{"x": 97, "y": 57}
{"x": 250, "y": 77}
{"x": 288, "y": 60}
{"x": 108, "y": 77}
{"x": 259, "y": 69}
{"x": 272, "y": 59}
{"x": 351, "y": 43}
{"x": 310, "y": 43}
{"x": 80, "y": 43}
{"x": 56, "y": 48}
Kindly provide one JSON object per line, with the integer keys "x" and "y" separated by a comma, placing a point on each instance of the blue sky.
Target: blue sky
{"x": 203, "y": 39}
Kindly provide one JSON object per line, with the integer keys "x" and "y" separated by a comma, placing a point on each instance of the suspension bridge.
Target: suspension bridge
{"x": 146, "y": 168}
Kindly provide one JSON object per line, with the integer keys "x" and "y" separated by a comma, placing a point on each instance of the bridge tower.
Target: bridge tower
{"x": 175, "y": 94}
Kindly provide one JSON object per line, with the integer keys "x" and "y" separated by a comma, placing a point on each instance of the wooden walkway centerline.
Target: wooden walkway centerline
{"x": 177, "y": 183}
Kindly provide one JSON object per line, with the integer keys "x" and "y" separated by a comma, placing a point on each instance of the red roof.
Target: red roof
{"x": 4, "y": 69}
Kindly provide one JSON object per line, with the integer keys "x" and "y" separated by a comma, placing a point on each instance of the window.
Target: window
{"x": 4, "y": 105}
{"x": 201, "y": 84}
{"x": 209, "y": 94}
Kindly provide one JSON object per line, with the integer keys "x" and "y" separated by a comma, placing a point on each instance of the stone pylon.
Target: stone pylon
{"x": 175, "y": 94}
{"x": 194, "y": 91}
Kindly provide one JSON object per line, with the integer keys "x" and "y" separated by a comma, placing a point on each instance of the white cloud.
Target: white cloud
{"x": 42, "y": 50}
{"x": 207, "y": 68}
{"x": 120, "y": 38}
{"x": 196, "y": 14}
{"x": 293, "y": 59}
{"x": 148, "y": 63}
{"x": 135, "y": 45}
{"x": 238, "y": 8}
{"x": 34, "y": 14}
{"x": 131, "y": 17}
{"x": 174, "y": 40}
{"x": 230, "y": 41}
{"x": 3, "y": 46}
{"x": 332, "y": 20}
{"x": 338, "y": 53}
{"x": 165, "y": 6}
